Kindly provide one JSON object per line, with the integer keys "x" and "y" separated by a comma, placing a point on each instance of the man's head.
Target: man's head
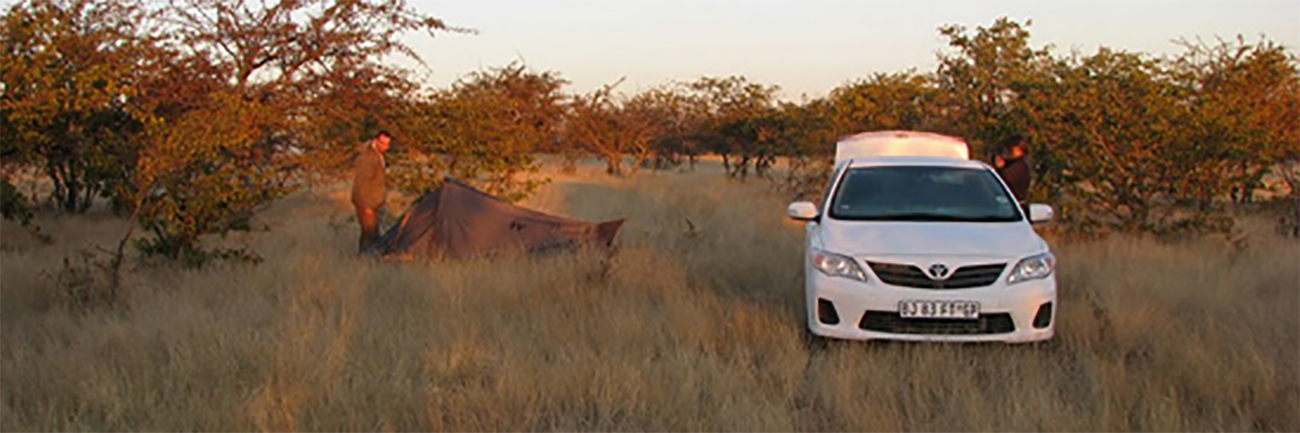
{"x": 1014, "y": 146}
{"x": 383, "y": 140}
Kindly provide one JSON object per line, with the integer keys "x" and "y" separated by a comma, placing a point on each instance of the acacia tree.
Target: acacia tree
{"x": 483, "y": 131}
{"x": 203, "y": 175}
{"x": 1132, "y": 160}
{"x": 1247, "y": 98}
{"x": 1119, "y": 140}
{"x": 986, "y": 80}
{"x": 317, "y": 62}
{"x": 69, "y": 72}
{"x": 244, "y": 81}
{"x": 808, "y": 143}
{"x": 735, "y": 119}
{"x": 611, "y": 129}
{"x": 677, "y": 118}
{"x": 887, "y": 101}
{"x": 99, "y": 91}
{"x": 907, "y": 100}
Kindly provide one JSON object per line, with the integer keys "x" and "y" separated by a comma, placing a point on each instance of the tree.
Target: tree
{"x": 808, "y": 143}
{"x": 600, "y": 124}
{"x": 731, "y": 109}
{"x": 1133, "y": 162}
{"x": 678, "y": 117}
{"x": 483, "y": 131}
{"x": 315, "y": 61}
{"x": 117, "y": 98}
{"x": 1247, "y": 98}
{"x": 69, "y": 72}
{"x": 986, "y": 79}
{"x": 246, "y": 81}
{"x": 203, "y": 174}
{"x": 906, "y": 101}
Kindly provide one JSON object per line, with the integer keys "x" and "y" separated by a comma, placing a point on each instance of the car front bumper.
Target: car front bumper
{"x": 868, "y": 311}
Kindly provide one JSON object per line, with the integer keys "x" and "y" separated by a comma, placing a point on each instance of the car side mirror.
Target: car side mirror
{"x": 1040, "y": 213}
{"x": 802, "y": 211}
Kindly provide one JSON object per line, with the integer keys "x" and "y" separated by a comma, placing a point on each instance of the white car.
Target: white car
{"x": 915, "y": 241}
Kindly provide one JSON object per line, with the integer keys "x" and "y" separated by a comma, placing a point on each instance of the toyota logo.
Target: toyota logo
{"x": 938, "y": 271}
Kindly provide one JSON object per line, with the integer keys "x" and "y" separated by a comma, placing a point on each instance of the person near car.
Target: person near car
{"x": 368, "y": 189}
{"x": 1013, "y": 166}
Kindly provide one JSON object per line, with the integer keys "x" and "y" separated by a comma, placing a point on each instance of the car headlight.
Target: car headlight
{"x": 1032, "y": 268}
{"x": 837, "y": 265}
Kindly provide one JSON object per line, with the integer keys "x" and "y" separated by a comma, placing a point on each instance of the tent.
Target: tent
{"x": 458, "y": 221}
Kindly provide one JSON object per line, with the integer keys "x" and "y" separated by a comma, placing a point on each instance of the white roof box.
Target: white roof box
{"x": 899, "y": 143}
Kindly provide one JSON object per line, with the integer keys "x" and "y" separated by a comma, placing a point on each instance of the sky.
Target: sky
{"x": 806, "y": 47}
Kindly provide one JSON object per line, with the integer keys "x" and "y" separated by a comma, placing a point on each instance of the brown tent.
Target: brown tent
{"x": 458, "y": 221}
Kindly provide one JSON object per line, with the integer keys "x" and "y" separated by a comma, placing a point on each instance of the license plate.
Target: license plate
{"x": 939, "y": 309}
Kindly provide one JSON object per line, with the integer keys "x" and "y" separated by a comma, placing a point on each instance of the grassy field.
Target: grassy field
{"x": 696, "y": 325}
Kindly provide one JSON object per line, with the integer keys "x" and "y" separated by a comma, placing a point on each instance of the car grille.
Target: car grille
{"x": 886, "y": 321}
{"x": 963, "y": 278}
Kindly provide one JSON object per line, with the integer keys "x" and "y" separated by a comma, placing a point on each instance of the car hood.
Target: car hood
{"x": 887, "y": 238}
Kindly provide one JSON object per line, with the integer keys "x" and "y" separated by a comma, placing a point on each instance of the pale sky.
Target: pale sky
{"x": 806, "y": 47}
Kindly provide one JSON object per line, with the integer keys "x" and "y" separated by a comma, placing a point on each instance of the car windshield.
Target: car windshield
{"x": 922, "y": 193}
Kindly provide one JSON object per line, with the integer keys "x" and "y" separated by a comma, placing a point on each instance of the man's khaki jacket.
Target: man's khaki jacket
{"x": 368, "y": 182}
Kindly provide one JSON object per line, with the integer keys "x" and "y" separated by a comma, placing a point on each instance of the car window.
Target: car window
{"x": 922, "y": 193}
{"x": 826, "y": 192}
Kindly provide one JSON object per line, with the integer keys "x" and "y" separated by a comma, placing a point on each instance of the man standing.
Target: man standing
{"x": 368, "y": 189}
{"x": 1013, "y": 168}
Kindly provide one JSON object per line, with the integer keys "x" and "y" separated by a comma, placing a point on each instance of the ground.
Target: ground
{"x": 694, "y": 324}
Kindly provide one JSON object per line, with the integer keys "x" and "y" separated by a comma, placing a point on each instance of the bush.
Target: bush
{"x": 204, "y": 175}
{"x": 483, "y": 132}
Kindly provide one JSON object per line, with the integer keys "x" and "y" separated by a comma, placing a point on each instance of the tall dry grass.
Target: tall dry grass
{"x": 695, "y": 325}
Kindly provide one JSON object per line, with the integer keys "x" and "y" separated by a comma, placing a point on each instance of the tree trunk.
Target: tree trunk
{"x": 742, "y": 168}
{"x": 762, "y": 165}
{"x": 52, "y": 172}
{"x": 569, "y": 162}
{"x": 614, "y": 164}
{"x": 639, "y": 159}
{"x": 87, "y": 199}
